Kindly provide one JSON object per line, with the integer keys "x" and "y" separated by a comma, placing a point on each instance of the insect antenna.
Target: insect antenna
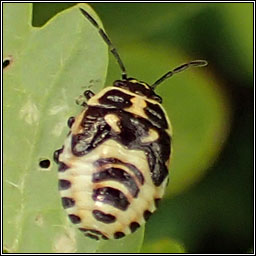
{"x": 194, "y": 63}
{"x": 107, "y": 41}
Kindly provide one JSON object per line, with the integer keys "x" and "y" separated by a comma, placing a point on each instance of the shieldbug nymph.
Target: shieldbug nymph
{"x": 113, "y": 166}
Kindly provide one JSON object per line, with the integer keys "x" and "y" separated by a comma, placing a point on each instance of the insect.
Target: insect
{"x": 113, "y": 166}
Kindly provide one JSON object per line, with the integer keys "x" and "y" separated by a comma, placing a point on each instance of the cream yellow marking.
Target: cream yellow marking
{"x": 94, "y": 101}
{"x": 113, "y": 120}
{"x": 138, "y": 82}
{"x": 116, "y": 185}
{"x": 123, "y": 167}
{"x": 76, "y": 127}
{"x": 133, "y": 81}
{"x": 137, "y": 107}
{"x": 159, "y": 192}
{"x": 152, "y": 136}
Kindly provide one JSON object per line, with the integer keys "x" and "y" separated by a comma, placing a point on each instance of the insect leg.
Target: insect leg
{"x": 81, "y": 101}
{"x": 88, "y": 94}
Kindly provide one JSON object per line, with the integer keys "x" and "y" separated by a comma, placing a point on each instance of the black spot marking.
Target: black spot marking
{"x": 147, "y": 215}
{"x": 93, "y": 231}
{"x": 103, "y": 161}
{"x": 112, "y": 197}
{"x": 116, "y": 99}
{"x": 71, "y": 120}
{"x": 45, "y": 163}
{"x": 67, "y": 202}
{"x": 91, "y": 236}
{"x": 134, "y": 226}
{"x": 56, "y": 155}
{"x": 118, "y": 235}
{"x": 64, "y": 184}
{"x": 103, "y": 217}
{"x": 62, "y": 167}
{"x": 156, "y": 115}
{"x": 119, "y": 175}
{"x": 74, "y": 218}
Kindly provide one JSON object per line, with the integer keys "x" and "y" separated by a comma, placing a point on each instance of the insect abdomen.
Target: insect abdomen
{"x": 113, "y": 167}
{"x": 113, "y": 202}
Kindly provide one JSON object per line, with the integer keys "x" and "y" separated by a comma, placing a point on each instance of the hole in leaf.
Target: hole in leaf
{"x": 44, "y": 163}
{"x": 7, "y": 61}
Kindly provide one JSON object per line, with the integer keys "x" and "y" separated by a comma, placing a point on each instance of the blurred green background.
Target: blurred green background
{"x": 208, "y": 207}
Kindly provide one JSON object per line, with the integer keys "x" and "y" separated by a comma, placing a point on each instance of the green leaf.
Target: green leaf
{"x": 129, "y": 244}
{"x": 199, "y": 112}
{"x": 49, "y": 68}
{"x": 238, "y": 31}
{"x": 145, "y": 20}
